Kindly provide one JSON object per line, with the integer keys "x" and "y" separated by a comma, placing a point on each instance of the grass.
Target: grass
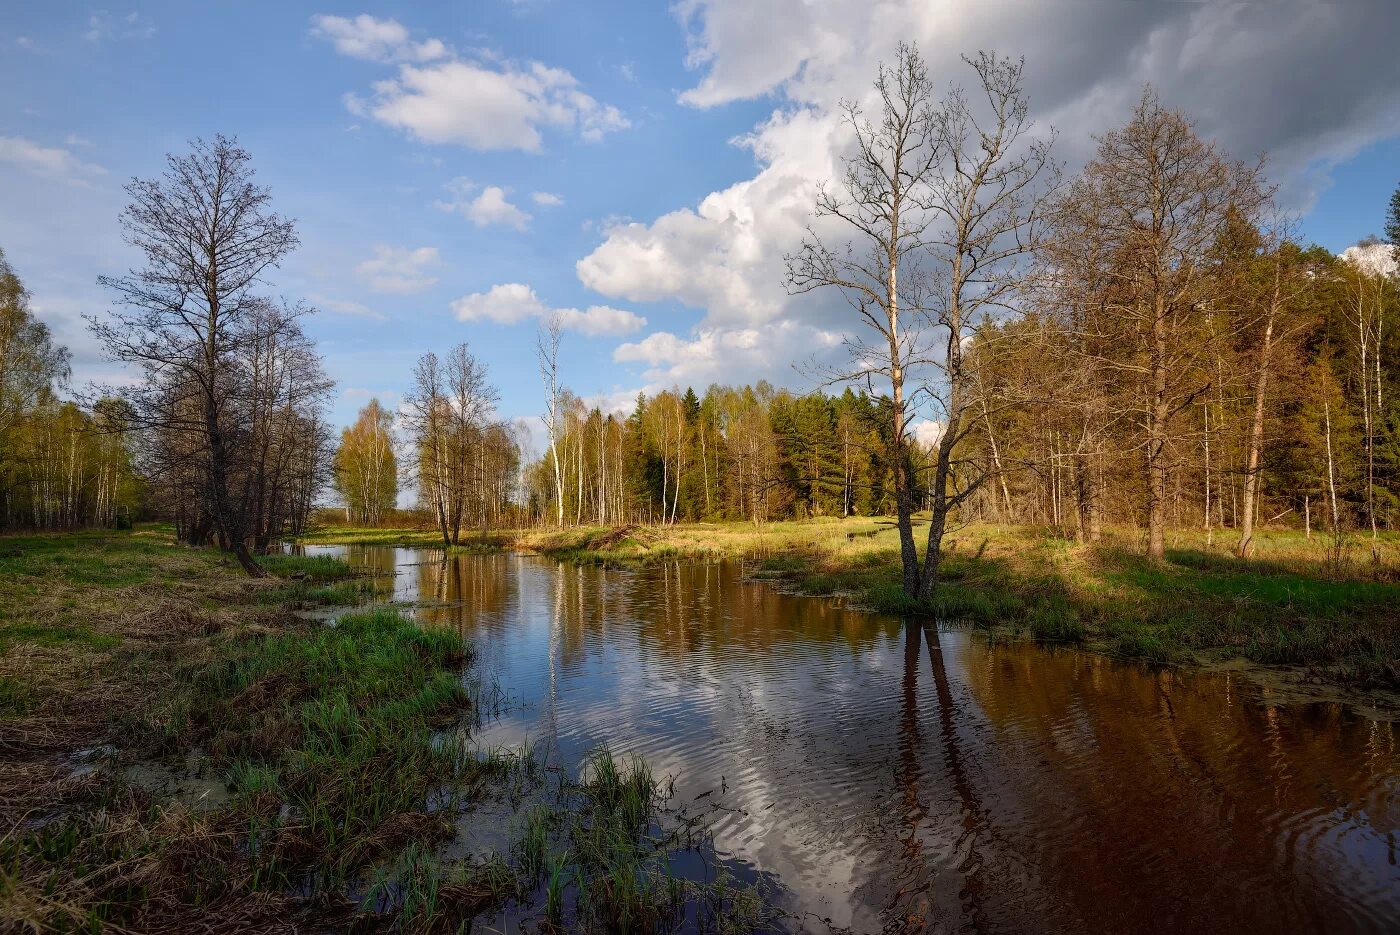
{"x": 135, "y": 648}
{"x": 1292, "y": 604}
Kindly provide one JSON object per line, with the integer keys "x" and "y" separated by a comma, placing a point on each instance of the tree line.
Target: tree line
{"x": 1146, "y": 343}
{"x": 61, "y": 466}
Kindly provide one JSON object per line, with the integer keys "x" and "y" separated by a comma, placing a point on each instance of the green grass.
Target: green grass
{"x": 324, "y": 716}
{"x": 326, "y": 738}
{"x": 310, "y": 567}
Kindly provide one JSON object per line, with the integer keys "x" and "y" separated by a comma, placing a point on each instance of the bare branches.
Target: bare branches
{"x": 220, "y": 363}
{"x": 991, "y": 196}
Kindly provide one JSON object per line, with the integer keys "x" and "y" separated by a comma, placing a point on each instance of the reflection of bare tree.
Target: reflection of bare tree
{"x": 910, "y": 910}
{"x": 911, "y": 897}
{"x": 973, "y": 815}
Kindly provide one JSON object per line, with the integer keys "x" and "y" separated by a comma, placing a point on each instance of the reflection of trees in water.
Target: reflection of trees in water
{"x": 1195, "y": 777}
{"x": 1042, "y": 779}
{"x": 678, "y": 608}
{"x": 376, "y": 560}
{"x": 474, "y": 591}
{"x": 913, "y": 908}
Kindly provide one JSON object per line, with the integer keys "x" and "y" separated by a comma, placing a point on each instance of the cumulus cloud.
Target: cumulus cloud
{"x": 400, "y": 270}
{"x": 374, "y": 40}
{"x": 47, "y": 161}
{"x": 767, "y": 351}
{"x": 927, "y": 431}
{"x": 489, "y": 205}
{"x": 600, "y": 319}
{"x": 513, "y": 302}
{"x": 1374, "y": 258}
{"x": 481, "y": 102}
{"x": 104, "y": 25}
{"x": 346, "y": 307}
{"x": 1245, "y": 72}
{"x": 506, "y": 304}
{"x": 547, "y": 199}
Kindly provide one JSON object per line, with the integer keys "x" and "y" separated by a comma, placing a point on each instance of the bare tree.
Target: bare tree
{"x": 207, "y": 234}
{"x": 547, "y": 350}
{"x": 882, "y": 198}
{"x": 990, "y": 197}
{"x": 1284, "y": 282}
{"x": 449, "y": 420}
{"x": 426, "y": 419}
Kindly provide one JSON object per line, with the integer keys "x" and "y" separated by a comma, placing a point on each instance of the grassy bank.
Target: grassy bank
{"x": 1334, "y": 615}
{"x": 178, "y": 750}
{"x": 1293, "y": 604}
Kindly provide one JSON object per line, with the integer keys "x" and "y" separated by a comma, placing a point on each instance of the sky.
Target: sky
{"x": 459, "y": 171}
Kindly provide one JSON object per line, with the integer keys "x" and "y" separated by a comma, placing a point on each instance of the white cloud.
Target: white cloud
{"x": 484, "y": 103}
{"x": 600, "y": 319}
{"x": 513, "y": 302}
{"x": 1374, "y": 259}
{"x": 927, "y": 431}
{"x": 547, "y": 199}
{"x": 401, "y": 270}
{"x": 491, "y": 205}
{"x": 346, "y": 307}
{"x": 47, "y": 161}
{"x": 736, "y": 355}
{"x": 375, "y": 40}
{"x": 104, "y": 25}
{"x": 506, "y": 304}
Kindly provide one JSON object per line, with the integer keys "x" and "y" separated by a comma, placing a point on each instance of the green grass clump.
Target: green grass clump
{"x": 310, "y": 567}
{"x": 298, "y": 594}
{"x": 336, "y": 721}
{"x": 17, "y": 696}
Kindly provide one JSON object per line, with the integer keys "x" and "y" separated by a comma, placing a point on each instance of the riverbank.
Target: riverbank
{"x": 181, "y": 749}
{"x": 1331, "y": 618}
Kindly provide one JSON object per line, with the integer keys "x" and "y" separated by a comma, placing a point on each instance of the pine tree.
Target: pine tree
{"x": 1392, "y": 226}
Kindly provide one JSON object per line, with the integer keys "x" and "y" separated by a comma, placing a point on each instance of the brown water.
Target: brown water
{"x": 900, "y": 777}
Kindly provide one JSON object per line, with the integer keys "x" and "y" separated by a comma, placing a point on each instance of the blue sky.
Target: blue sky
{"x": 664, "y": 155}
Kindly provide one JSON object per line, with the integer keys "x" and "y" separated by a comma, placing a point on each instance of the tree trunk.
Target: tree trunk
{"x": 1256, "y": 434}
{"x": 1157, "y": 438}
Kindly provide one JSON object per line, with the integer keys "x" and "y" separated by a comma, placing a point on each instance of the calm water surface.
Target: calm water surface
{"x": 896, "y": 777}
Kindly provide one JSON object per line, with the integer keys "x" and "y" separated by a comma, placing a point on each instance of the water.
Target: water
{"x": 897, "y": 777}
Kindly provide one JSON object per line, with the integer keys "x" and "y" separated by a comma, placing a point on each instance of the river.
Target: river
{"x": 890, "y": 775}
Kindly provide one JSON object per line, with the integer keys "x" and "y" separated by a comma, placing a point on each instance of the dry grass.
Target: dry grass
{"x": 95, "y": 630}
